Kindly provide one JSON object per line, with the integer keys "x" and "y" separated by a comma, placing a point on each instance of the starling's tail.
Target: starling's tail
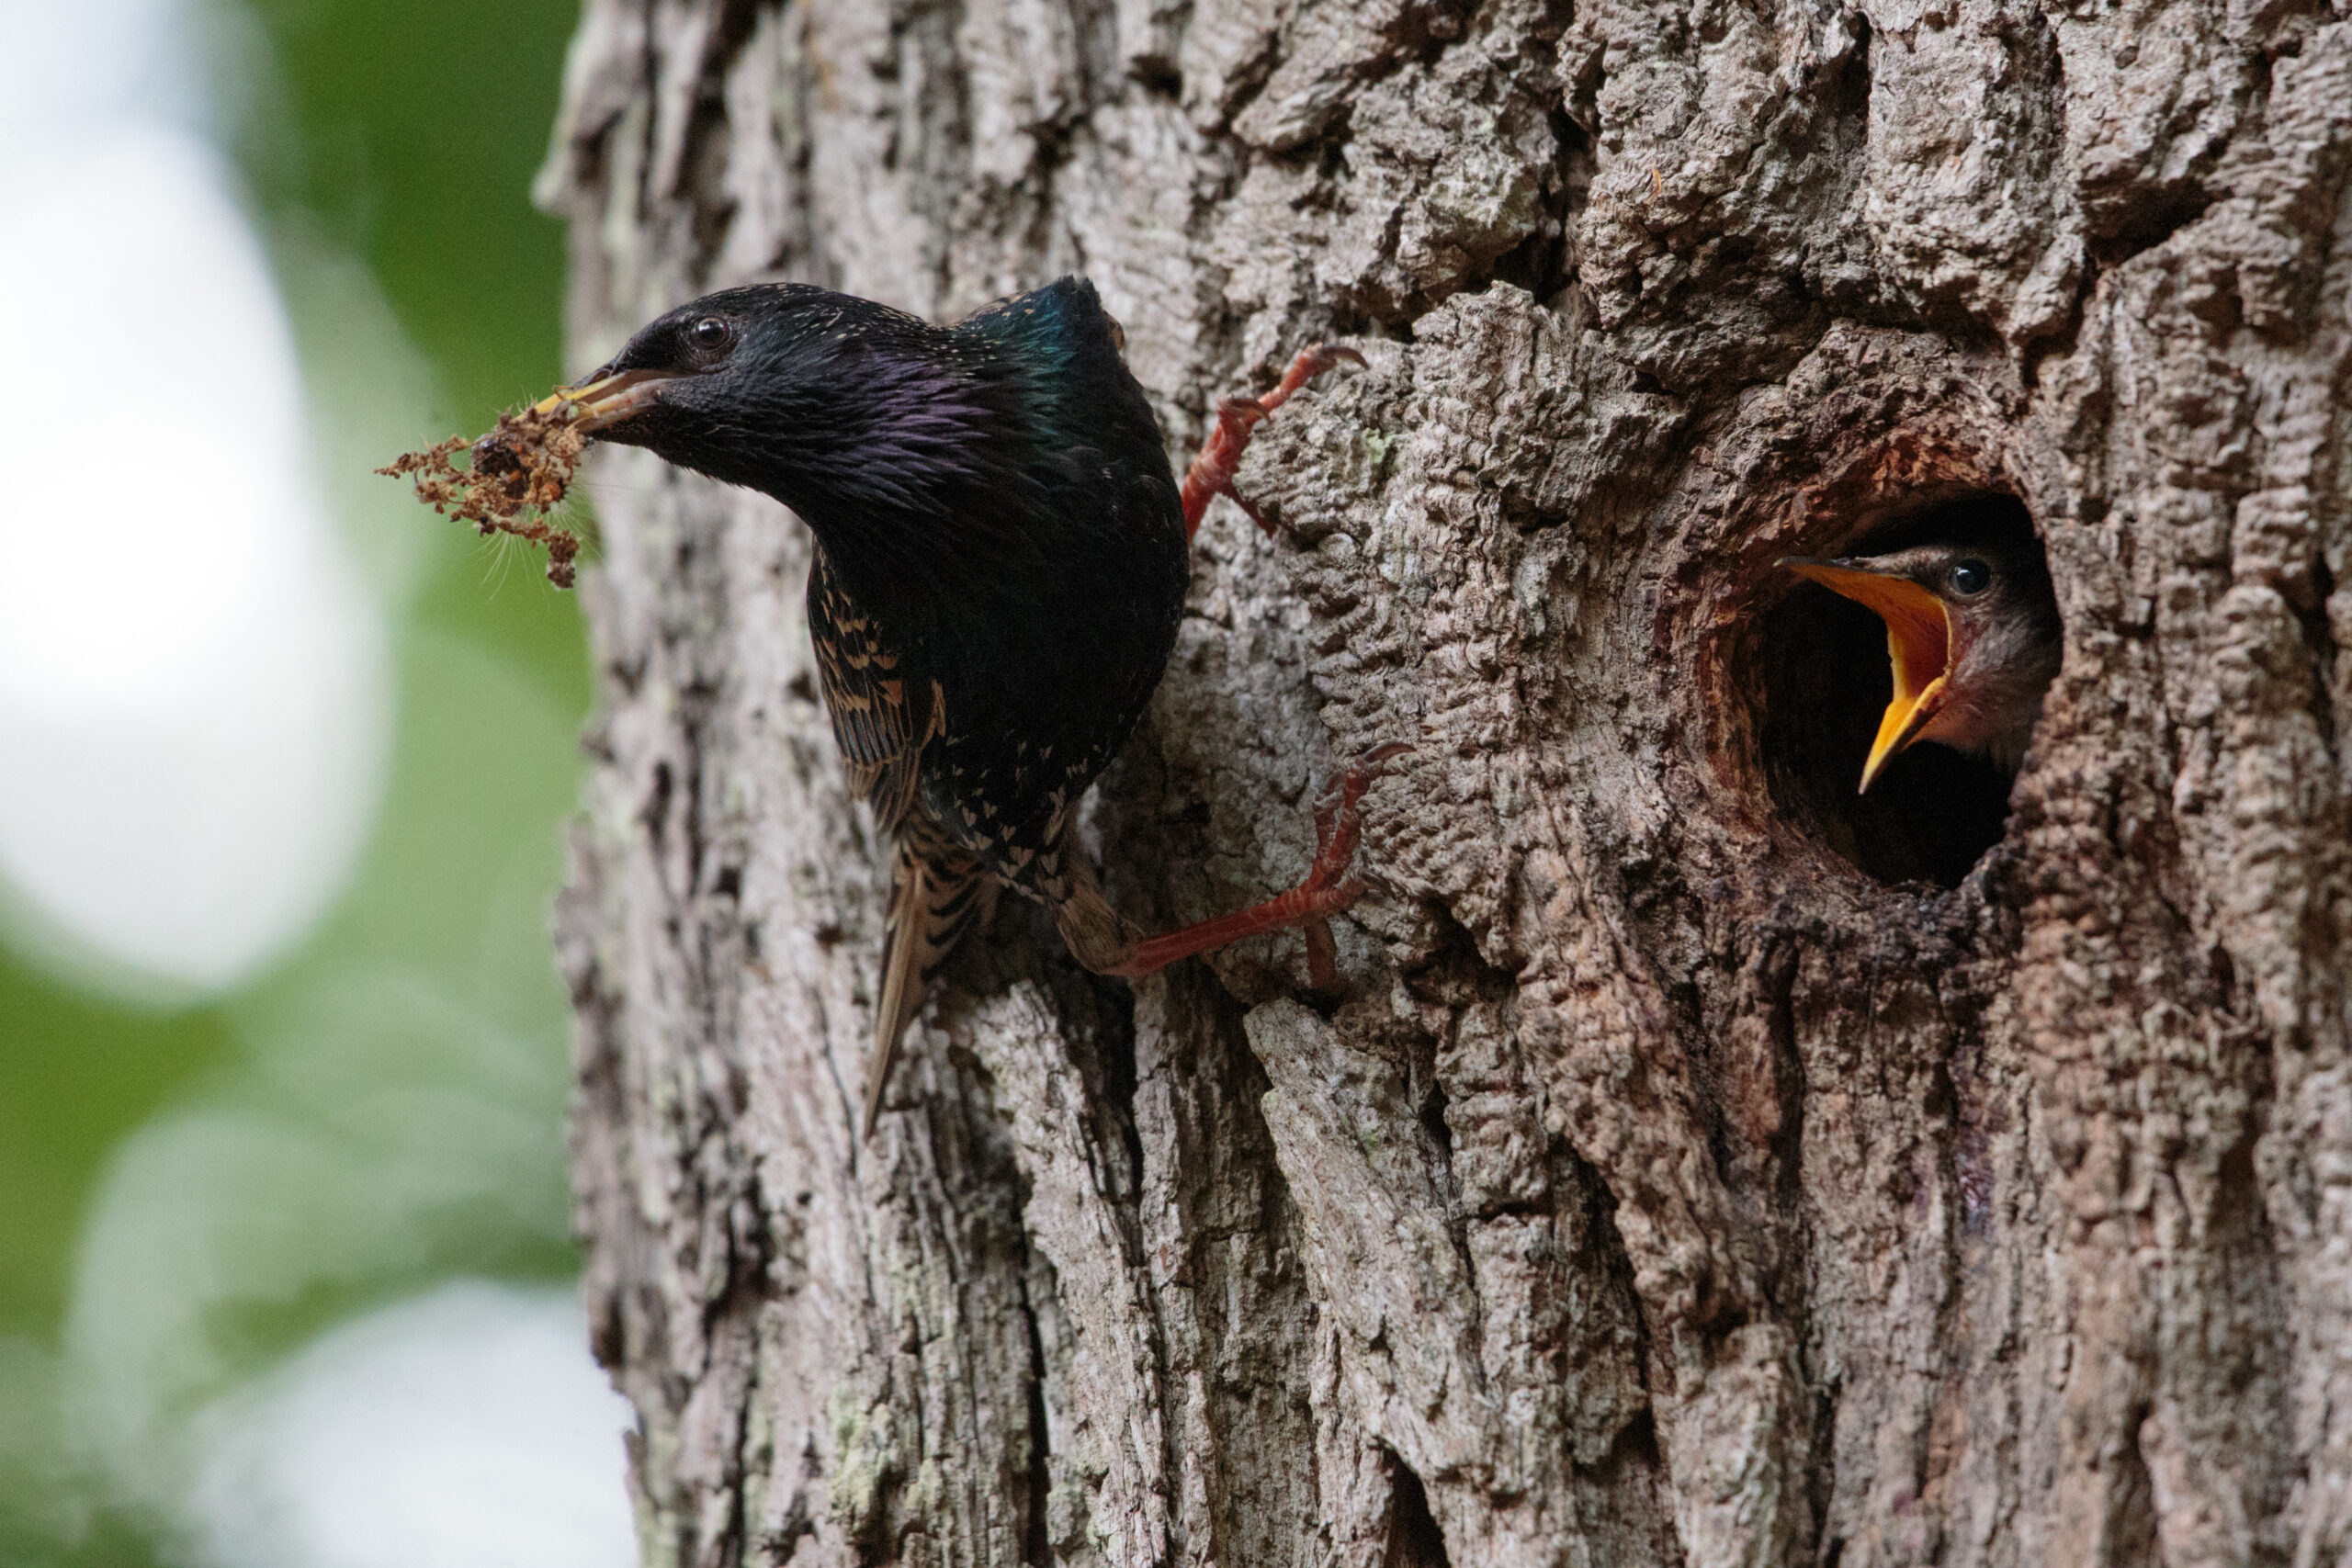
{"x": 938, "y": 890}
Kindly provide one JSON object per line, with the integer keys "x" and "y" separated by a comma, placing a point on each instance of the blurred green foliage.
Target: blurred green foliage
{"x": 423, "y": 1016}
{"x": 409, "y": 131}
{"x": 75, "y": 1075}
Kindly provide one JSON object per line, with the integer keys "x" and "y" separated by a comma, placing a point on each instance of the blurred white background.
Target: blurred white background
{"x": 280, "y": 793}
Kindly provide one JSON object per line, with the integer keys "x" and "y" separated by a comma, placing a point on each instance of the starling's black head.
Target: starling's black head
{"x": 886, "y": 433}
{"x": 819, "y": 399}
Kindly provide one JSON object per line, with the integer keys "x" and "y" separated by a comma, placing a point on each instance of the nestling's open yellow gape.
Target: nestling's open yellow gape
{"x": 1973, "y": 633}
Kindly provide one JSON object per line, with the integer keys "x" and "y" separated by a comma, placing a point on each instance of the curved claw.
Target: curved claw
{"x": 1211, "y": 474}
{"x": 1333, "y": 883}
{"x": 1312, "y": 361}
{"x": 1329, "y": 886}
{"x": 1338, "y": 822}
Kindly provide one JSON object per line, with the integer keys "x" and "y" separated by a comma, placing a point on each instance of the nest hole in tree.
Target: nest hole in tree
{"x": 1825, "y": 679}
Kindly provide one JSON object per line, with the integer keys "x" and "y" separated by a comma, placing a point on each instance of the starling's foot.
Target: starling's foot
{"x": 1331, "y": 885}
{"x": 1211, "y": 474}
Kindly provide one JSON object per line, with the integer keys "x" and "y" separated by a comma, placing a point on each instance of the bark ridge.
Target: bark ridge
{"x": 1680, "y": 1179}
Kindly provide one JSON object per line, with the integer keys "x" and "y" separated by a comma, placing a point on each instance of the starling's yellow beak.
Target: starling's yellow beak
{"x": 1918, "y": 644}
{"x": 607, "y": 400}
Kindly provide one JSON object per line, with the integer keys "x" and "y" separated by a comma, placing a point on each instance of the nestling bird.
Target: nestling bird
{"x": 1973, "y": 632}
{"x": 1001, "y": 559}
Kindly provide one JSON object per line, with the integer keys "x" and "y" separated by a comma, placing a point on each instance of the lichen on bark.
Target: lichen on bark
{"x": 1667, "y": 1188}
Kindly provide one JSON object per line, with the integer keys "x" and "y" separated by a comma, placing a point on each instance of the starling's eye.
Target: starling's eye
{"x": 711, "y": 335}
{"x": 1970, "y": 578}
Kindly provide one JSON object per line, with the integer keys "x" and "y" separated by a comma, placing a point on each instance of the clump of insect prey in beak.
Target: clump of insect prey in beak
{"x": 514, "y": 476}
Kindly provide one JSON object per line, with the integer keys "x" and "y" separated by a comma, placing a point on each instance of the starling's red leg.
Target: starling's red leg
{"x": 1211, "y": 474}
{"x": 1330, "y": 887}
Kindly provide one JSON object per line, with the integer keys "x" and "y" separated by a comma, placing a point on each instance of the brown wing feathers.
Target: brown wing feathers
{"x": 937, "y": 891}
{"x": 884, "y": 716}
{"x": 882, "y": 719}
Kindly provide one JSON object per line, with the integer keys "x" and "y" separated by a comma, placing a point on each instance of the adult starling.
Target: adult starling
{"x": 1971, "y": 630}
{"x": 1001, "y": 559}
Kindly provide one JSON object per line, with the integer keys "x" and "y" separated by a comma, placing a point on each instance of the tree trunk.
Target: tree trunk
{"x": 1704, "y": 1164}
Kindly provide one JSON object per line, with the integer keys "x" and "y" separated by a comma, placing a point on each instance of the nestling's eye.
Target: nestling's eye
{"x": 711, "y": 335}
{"x": 1970, "y": 578}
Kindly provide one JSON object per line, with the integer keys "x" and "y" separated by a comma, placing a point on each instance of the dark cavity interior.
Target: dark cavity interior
{"x": 1933, "y": 812}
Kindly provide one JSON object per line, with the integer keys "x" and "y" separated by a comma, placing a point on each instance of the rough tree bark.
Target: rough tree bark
{"x": 1680, "y": 1180}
